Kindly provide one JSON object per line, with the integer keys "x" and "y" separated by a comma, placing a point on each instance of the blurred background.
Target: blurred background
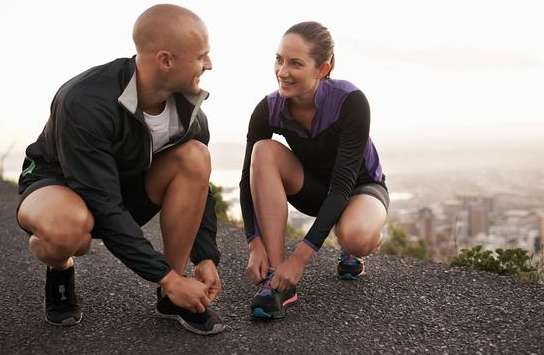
{"x": 455, "y": 90}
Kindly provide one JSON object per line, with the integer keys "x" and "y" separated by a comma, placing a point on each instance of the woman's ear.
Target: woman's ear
{"x": 324, "y": 69}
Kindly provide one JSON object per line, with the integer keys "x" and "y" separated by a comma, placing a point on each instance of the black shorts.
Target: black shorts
{"x": 135, "y": 198}
{"x": 313, "y": 192}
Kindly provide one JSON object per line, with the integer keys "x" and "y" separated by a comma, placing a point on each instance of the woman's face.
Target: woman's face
{"x": 295, "y": 69}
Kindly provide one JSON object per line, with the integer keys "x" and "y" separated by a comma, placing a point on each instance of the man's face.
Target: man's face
{"x": 190, "y": 62}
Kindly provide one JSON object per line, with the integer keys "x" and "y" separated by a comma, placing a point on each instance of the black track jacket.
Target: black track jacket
{"x": 95, "y": 135}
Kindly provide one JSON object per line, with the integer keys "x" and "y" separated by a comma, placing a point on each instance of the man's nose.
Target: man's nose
{"x": 208, "y": 64}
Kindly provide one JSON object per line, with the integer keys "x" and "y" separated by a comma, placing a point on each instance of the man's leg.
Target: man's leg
{"x": 178, "y": 181}
{"x": 60, "y": 225}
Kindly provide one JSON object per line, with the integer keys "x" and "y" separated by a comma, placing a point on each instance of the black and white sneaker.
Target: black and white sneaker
{"x": 207, "y": 323}
{"x": 61, "y": 306}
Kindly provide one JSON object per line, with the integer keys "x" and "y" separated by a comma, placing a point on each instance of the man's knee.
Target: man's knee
{"x": 193, "y": 158}
{"x": 67, "y": 233}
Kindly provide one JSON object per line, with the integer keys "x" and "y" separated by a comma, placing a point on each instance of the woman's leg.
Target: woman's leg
{"x": 359, "y": 228}
{"x": 275, "y": 173}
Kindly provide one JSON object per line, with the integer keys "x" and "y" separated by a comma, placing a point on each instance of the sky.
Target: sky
{"x": 433, "y": 71}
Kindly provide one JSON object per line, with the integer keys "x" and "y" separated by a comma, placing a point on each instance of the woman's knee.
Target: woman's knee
{"x": 265, "y": 153}
{"x": 272, "y": 159}
{"x": 358, "y": 240}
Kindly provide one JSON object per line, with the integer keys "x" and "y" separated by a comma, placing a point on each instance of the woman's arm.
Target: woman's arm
{"x": 355, "y": 116}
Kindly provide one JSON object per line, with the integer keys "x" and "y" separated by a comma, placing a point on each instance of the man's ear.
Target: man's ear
{"x": 164, "y": 59}
{"x": 324, "y": 69}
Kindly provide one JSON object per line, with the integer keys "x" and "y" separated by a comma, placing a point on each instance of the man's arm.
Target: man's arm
{"x": 205, "y": 245}
{"x": 84, "y": 147}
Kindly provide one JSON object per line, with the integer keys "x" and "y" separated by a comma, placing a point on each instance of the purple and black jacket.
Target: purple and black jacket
{"x": 337, "y": 150}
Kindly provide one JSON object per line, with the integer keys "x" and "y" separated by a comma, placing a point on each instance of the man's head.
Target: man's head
{"x": 172, "y": 43}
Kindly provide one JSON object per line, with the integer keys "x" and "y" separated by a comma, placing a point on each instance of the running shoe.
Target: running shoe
{"x": 269, "y": 303}
{"x": 61, "y": 306}
{"x": 349, "y": 266}
{"x": 207, "y": 323}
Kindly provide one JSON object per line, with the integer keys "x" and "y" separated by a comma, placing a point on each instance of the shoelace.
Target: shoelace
{"x": 265, "y": 288}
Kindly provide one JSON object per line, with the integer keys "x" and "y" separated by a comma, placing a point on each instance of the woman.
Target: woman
{"x": 331, "y": 170}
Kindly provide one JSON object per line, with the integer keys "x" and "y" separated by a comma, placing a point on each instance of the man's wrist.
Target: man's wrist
{"x": 167, "y": 279}
{"x": 205, "y": 262}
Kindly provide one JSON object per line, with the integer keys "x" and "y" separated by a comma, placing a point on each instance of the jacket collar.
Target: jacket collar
{"x": 129, "y": 97}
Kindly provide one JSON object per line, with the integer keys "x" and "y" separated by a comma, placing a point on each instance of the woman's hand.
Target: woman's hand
{"x": 289, "y": 273}
{"x": 257, "y": 265}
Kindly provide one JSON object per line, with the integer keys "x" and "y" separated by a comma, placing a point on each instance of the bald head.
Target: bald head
{"x": 164, "y": 27}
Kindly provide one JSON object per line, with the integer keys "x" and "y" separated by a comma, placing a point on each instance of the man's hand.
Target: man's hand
{"x": 185, "y": 292}
{"x": 289, "y": 273}
{"x": 206, "y": 272}
{"x": 257, "y": 265}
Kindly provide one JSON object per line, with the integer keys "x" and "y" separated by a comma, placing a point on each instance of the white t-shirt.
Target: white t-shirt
{"x": 165, "y": 125}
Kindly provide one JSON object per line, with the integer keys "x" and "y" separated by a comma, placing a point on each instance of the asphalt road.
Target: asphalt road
{"x": 402, "y": 306}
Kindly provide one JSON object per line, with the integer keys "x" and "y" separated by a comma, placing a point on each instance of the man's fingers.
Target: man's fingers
{"x": 199, "y": 308}
{"x": 208, "y": 282}
{"x": 205, "y": 300}
{"x": 213, "y": 292}
{"x": 211, "y": 295}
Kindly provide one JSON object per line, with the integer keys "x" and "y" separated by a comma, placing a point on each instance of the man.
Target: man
{"x": 125, "y": 140}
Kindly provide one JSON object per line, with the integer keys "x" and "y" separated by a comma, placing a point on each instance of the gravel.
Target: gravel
{"x": 402, "y": 306}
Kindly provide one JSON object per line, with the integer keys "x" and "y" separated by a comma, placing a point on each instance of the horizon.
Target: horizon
{"x": 400, "y": 159}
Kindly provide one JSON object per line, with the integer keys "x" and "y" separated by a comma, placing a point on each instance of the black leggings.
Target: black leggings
{"x": 313, "y": 192}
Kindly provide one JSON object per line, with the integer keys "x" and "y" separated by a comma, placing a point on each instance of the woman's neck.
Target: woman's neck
{"x": 302, "y": 103}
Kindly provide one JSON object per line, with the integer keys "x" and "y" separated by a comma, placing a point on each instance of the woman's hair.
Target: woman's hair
{"x": 320, "y": 38}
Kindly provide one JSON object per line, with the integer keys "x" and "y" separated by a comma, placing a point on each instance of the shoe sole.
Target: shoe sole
{"x": 218, "y": 328}
{"x": 259, "y": 313}
{"x": 348, "y": 276}
{"x": 68, "y": 322}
